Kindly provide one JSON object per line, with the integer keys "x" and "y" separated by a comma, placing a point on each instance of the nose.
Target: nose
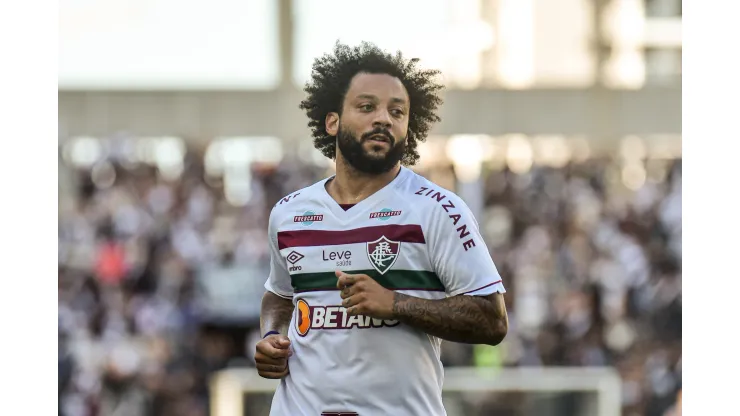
{"x": 382, "y": 119}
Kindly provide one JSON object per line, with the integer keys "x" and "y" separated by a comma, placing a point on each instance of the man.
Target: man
{"x": 372, "y": 267}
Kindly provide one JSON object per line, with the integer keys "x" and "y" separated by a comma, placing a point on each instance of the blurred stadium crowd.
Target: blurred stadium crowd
{"x": 593, "y": 273}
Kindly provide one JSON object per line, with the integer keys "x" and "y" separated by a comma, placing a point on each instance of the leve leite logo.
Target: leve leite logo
{"x": 333, "y": 317}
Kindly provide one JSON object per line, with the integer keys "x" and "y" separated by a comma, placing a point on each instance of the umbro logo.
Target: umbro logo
{"x": 294, "y": 257}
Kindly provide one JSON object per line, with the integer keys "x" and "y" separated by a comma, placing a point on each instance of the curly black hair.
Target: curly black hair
{"x": 330, "y": 79}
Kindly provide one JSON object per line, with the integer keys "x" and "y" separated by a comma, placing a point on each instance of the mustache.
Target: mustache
{"x": 379, "y": 132}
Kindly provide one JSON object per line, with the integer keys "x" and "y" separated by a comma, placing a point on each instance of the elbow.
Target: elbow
{"x": 498, "y": 331}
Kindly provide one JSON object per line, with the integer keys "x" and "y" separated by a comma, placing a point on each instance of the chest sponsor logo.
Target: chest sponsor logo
{"x": 383, "y": 253}
{"x": 308, "y": 218}
{"x": 342, "y": 258}
{"x": 384, "y": 214}
{"x": 333, "y": 317}
{"x": 294, "y": 257}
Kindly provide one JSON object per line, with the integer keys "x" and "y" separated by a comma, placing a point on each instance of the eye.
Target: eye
{"x": 397, "y": 112}
{"x": 366, "y": 107}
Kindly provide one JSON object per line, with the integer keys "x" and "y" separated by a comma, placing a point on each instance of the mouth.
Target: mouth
{"x": 379, "y": 138}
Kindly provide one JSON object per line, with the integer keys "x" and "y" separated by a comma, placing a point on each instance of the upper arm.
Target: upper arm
{"x": 496, "y": 315}
{"x": 498, "y": 305}
{"x": 492, "y": 305}
{"x": 279, "y": 281}
{"x": 458, "y": 254}
{"x": 493, "y": 317}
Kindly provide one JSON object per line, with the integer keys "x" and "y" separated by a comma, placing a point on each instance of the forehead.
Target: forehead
{"x": 382, "y": 86}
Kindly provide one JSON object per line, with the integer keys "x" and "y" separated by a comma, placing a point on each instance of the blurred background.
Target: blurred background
{"x": 179, "y": 128}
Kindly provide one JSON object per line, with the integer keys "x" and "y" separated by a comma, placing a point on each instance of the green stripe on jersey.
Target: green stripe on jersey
{"x": 392, "y": 279}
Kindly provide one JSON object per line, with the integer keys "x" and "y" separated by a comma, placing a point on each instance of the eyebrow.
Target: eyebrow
{"x": 374, "y": 98}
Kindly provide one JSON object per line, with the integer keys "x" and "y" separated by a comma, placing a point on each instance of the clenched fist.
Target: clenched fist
{"x": 272, "y": 356}
{"x": 362, "y": 295}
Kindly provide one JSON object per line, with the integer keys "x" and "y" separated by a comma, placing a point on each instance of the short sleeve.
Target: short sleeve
{"x": 458, "y": 254}
{"x": 279, "y": 280}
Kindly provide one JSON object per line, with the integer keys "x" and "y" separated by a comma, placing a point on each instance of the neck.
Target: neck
{"x": 351, "y": 186}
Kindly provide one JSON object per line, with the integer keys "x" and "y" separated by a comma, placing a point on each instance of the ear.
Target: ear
{"x": 332, "y": 123}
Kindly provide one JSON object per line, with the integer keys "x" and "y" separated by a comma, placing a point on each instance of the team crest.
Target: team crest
{"x": 383, "y": 253}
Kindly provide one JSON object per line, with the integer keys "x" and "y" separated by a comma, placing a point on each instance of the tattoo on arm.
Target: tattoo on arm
{"x": 462, "y": 318}
{"x": 275, "y": 314}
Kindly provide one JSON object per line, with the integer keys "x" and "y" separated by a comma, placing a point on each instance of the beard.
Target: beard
{"x": 353, "y": 151}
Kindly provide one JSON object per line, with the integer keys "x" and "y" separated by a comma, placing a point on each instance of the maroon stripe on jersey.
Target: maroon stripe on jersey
{"x": 483, "y": 287}
{"x": 310, "y": 238}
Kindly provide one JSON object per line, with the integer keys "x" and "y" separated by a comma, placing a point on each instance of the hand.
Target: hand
{"x": 362, "y": 295}
{"x": 272, "y": 356}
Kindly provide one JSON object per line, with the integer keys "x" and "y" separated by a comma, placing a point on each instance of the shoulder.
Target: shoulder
{"x": 447, "y": 218}
{"x": 430, "y": 198}
{"x": 289, "y": 203}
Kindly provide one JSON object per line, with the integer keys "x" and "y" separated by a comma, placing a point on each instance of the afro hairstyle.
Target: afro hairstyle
{"x": 330, "y": 79}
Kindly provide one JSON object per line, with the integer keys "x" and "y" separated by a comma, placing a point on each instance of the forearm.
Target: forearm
{"x": 275, "y": 314}
{"x": 462, "y": 318}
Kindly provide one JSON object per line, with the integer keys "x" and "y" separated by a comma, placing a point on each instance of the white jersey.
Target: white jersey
{"x": 411, "y": 236}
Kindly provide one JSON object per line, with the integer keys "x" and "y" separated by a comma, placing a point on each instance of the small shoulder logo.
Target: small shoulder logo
{"x": 294, "y": 257}
{"x": 383, "y": 253}
{"x": 308, "y": 218}
{"x": 384, "y": 214}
